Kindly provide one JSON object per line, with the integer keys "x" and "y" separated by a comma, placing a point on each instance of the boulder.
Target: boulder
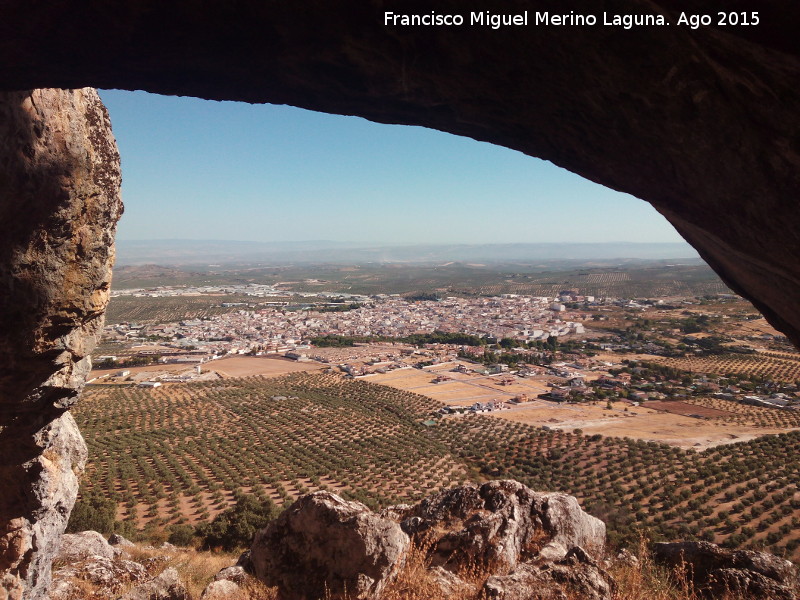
{"x": 108, "y": 575}
{"x": 117, "y": 540}
{"x": 576, "y": 575}
{"x": 166, "y": 586}
{"x": 324, "y": 546}
{"x": 236, "y": 574}
{"x": 716, "y": 571}
{"x": 220, "y": 590}
{"x": 500, "y": 524}
{"x": 78, "y": 546}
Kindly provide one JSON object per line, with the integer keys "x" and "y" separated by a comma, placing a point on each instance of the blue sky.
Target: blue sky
{"x": 197, "y": 169}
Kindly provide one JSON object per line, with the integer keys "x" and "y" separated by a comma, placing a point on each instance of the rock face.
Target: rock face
{"x": 221, "y": 590}
{"x": 77, "y": 546}
{"x": 500, "y": 523}
{"x": 118, "y": 540}
{"x": 59, "y": 204}
{"x": 88, "y": 567}
{"x": 324, "y": 544}
{"x": 716, "y": 571}
{"x": 107, "y": 574}
{"x": 166, "y": 586}
{"x": 576, "y": 575}
{"x": 236, "y": 574}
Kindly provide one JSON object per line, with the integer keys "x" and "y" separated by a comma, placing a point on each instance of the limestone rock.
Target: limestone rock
{"x": 220, "y": 590}
{"x": 574, "y": 576}
{"x": 59, "y": 203}
{"x": 118, "y": 540}
{"x": 236, "y": 573}
{"x": 451, "y": 584}
{"x": 324, "y": 544}
{"x": 501, "y": 523}
{"x": 166, "y": 586}
{"x": 30, "y": 525}
{"x": 110, "y": 576}
{"x": 627, "y": 558}
{"x": 717, "y": 571}
{"x": 78, "y": 546}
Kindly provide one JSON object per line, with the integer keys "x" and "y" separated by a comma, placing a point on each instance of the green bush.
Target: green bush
{"x": 234, "y": 528}
{"x": 92, "y": 511}
{"x": 181, "y": 535}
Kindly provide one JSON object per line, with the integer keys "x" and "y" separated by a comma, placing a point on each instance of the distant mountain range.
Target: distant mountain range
{"x": 207, "y": 252}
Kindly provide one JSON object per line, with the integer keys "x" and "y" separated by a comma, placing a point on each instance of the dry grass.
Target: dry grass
{"x": 648, "y": 581}
{"x": 415, "y": 581}
{"x": 196, "y": 569}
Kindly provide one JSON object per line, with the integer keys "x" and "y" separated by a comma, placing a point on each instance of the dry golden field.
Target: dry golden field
{"x": 636, "y": 423}
{"x": 234, "y": 366}
{"x": 247, "y": 366}
{"x": 461, "y": 389}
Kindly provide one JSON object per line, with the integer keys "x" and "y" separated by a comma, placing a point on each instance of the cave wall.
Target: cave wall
{"x": 59, "y": 205}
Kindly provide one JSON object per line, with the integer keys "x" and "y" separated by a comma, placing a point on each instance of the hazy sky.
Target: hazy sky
{"x": 197, "y": 169}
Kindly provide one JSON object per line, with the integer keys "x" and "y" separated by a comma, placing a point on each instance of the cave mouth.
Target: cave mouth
{"x": 700, "y": 123}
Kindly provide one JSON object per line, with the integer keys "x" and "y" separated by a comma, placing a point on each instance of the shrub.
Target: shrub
{"x": 181, "y": 535}
{"x": 234, "y": 528}
{"x": 93, "y": 512}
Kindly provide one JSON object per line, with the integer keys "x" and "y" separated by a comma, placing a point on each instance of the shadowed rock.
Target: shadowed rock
{"x": 499, "y": 523}
{"x": 59, "y": 204}
{"x": 576, "y": 575}
{"x": 323, "y": 544}
{"x": 717, "y": 571}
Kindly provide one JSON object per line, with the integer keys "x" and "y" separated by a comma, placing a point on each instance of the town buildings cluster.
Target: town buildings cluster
{"x": 278, "y": 329}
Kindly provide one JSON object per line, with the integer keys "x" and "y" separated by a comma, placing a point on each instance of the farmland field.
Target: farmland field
{"x": 460, "y": 390}
{"x": 741, "y": 495}
{"x": 640, "y": 280}
{"x": 233, "y": 366}
{"x": 745, "y": 414}
{"x": 177, "y": 454}
{"x": 169, "y": 309}
{"x": 769, "y": 365}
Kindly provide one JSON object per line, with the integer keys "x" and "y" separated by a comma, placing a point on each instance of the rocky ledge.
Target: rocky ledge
{"x": 519, "y": 538}
{"x": 500, "y": 540}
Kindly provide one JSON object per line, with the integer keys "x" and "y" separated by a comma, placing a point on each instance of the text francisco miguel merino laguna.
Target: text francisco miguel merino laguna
{"x": 496, "y": 21}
